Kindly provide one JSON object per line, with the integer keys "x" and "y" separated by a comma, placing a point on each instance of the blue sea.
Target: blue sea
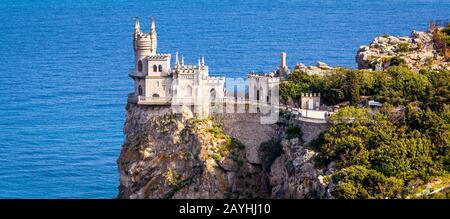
{"x": 64, "y": 66}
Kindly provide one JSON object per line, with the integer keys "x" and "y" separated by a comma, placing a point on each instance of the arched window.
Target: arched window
{"x": 155, "y": 95}
{"x": 139, "y": 66}
{"x": 188, "y": 91}
{"x": 140, "y": 90}
{"x": 212, "y": 94}
{"x": 155, "y": 68}
{"x": 160, "y": 68}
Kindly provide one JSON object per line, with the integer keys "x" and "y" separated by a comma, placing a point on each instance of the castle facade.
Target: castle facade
{"x": 157, "y": 82}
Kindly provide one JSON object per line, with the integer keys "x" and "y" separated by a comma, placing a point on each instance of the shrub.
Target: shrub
{"x": 293, "y": 131}
{"x": 396, "y": 61}
{"x": 359, "y": 182}
{"x": 403, "y": 47}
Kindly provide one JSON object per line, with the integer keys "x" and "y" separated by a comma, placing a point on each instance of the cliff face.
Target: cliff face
{"x": 168, "y": 155}
{"x": 417, "y": 51}
{"x": 294, "y": 175}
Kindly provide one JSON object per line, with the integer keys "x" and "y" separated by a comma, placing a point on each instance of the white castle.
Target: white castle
{"x": 156, "y": 82}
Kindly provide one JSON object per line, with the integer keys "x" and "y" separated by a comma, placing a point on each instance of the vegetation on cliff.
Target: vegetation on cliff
{"x": 393, "y": 153}
{"x": 398, "y": 85}
{"x": 384, "y": 155}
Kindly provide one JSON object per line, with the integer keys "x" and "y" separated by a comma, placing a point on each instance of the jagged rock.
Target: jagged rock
{"x": 303, "y": 179}
{"x": 417, "y": 52}
{"x": 167, "y": 155}
{"x": 319, "y": 68}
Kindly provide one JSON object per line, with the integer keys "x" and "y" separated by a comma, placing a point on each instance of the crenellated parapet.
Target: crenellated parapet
{"x": 310, "y": 94}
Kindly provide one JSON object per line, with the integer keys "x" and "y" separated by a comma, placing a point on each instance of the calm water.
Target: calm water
{"x": 64, "y": 64}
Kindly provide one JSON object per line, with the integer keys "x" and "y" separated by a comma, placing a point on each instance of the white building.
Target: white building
{"x": 156, "y": 82}
{"x": 263, "y": 87}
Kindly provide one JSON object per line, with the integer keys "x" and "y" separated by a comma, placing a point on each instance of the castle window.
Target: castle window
{"x": 212, "y": 94}
{"x": 155, "y": 95}
{"x": 140, "y": 90}
{"x": 155, "y": 68}
{"x": 188, "y": 91}
{"x": 139, "y": 66}
{"x": 160, "y": 68}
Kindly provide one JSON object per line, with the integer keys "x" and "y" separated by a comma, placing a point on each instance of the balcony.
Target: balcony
{"x": 132, "y": 98}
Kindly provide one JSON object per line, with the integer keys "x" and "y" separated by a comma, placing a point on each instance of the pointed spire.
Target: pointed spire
{"x": 137, "y": 26}
{"x": 182, "y": 59}
{"x": 199, "y": 62}
{"x": 153, "y": 26}
{"x": 176, "y": 59}
{"x": 203, "y": 60}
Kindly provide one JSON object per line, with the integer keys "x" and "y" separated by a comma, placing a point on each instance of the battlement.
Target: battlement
{"x": 310, "y": 94}
{"x": 159, "y": 56}
{"x": 261, "y": 75}
{"x": 190, "y": 69}
{"x": 214, "y": 80}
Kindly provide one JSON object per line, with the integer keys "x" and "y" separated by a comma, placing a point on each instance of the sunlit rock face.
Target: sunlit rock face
{"x": 416, "y": 51}
{"x": 167, "y": 155}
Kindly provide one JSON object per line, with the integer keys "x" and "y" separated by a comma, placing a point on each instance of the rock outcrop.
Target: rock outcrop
{"x": 319, "y": 68}
{"x": 173, "y": 155}
{"x": 167, "y": 155}
{"x": 294, "y": 175}
{"x": 417, "y": 51}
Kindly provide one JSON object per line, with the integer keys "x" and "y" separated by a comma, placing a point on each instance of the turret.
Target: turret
{"x": 145, "y": 45}
{"x": 283, "y": 60}
{"x": 137, "y": 28}
{"x": 176, "y": 59}
{"x": 283, "y": 69}
{"x": 153, "y": 36}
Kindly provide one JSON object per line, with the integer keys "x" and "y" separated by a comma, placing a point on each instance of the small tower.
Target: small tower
{"x": 283, "y": 60}
{"x": 145, "y": 45}
{"x": 283, "y": 69}
{"x": 176, "y": 60}
{"x": 137, "y": 28}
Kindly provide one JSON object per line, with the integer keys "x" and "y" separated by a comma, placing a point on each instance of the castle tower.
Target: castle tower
{"x": 283, "y": 69}
{"x": 144, "y": 46}
{"x": 283, "y": 60}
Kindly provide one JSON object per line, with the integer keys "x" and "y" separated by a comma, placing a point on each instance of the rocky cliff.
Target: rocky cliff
{"x": 417, "y": 51}
{"x": 294, "y": 175}
{"x": 168, "y": 155}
